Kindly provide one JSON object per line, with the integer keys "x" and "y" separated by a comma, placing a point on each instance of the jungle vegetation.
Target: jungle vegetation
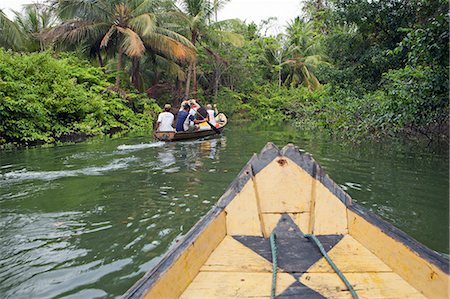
{"x": 354, "y": 68}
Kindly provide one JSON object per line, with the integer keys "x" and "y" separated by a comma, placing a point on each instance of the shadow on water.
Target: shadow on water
{"x": 88, "y": 220}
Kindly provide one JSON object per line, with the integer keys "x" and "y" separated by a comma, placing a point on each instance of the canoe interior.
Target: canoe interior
{"x": 227, "y": 253}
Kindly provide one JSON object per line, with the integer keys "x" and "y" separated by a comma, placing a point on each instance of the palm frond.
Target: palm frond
{"x": 228, "y": 23}
{"x": 84, "y": 9}
{"x": 169, "y": 48}
{"x": 233, "y": 38}
{"x": 132, "y": 44}
{"x": 144, "y": 23}
{"x": 175, "y": 36}
{"x": 107, "y": 36}
{"x": 139, "y": 7}
{"x": 10, "y": 34}
{"x": 175, "y": 70}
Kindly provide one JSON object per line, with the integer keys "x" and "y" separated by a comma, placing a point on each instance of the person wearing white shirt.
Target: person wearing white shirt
{"x": 212, "y": 113}
{"x": 165, "y": 120}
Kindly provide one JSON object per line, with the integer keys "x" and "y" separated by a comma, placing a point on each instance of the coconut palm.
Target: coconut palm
{"x": 126, "y": 28}
{"x": 10, "y": 35}
{"x": 304, "y": 54}
{"x": 196, "y": 15}
{"x": 34, "y": 20}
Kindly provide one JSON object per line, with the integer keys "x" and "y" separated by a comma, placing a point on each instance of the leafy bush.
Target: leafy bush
{"x": 45, "y": 99}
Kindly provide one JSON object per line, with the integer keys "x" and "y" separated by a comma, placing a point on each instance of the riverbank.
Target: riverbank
{"x": 64, "y": 99}
{"x": 350, "y": 113}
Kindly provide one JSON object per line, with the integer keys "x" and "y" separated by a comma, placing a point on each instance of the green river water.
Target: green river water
{"x": 88, "y": 220}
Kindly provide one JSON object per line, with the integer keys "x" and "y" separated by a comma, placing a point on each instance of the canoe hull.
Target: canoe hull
{"x": 227, "y": 253}
{"x": 177, "y": 136}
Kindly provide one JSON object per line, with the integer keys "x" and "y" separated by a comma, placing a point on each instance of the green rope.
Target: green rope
{"x": 273, "y": 247}
{"x": 333, "y": 265}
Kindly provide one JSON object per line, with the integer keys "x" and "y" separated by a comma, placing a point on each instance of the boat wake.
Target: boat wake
{"x": 136, "y": 147}
{"x": 24, "y": 175}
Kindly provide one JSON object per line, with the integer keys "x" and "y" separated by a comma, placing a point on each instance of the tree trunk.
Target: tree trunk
{"x": 188, "y": 81}
{"x": 136, "y": 74}
{"x": 100, "y": 59}
{"x": 119, "y": 66}
{"x": 194, "y": 69}
{"x": 216, "y": 86}
{"x": 279, "y": 77}
{"x": 194, "y": 80}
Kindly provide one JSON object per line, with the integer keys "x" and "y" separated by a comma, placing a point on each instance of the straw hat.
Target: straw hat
{"x": 167, "y": 106}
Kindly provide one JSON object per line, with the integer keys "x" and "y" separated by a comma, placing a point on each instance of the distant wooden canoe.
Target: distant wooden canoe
{"x": 227, "y": 254}
{"x": 221, "y": 119}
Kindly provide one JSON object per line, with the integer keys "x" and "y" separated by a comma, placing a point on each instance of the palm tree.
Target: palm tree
{"x": 10, "y": 35}
{"x": 304, "y": 54}
{"x": 128, "y": 28}
{"x": 196, "y": 14}
{"x": 34, "y": 21}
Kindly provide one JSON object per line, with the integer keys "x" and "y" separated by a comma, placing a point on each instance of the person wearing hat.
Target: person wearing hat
{"x": 165, "y": 120}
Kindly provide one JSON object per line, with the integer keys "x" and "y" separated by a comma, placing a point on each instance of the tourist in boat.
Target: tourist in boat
{"x": 194, "y": 105}
{"x": 165, "y": 120}
{"x": 202, "y": 118}
{"x": 182, "y": 117}
{"x": 212, "y": 113}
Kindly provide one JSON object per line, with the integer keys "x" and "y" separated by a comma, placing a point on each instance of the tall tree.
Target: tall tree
{"x": 129, "y": 28}
{"x": 34, "y": 20}
{"x": 303, "y": 54}
{"x": 196, "y": 14}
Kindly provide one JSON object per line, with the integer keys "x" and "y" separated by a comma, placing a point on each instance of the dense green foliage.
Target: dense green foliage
{"x": 356, "y": 68}
{"x": 44, "y": 99}
{"x": 383, "y": 67}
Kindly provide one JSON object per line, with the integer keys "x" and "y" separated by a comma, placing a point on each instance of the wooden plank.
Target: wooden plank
{"x": 227, "y": 285}
{"x": 302, "y": 221}
{"x": 423, "y": 275}
{"x": 283, "y": 187}
{"x": 367, "y": 285}
{"x": 350, "y": 256}
{"x": 232, "y": 256}
{"x": 186, "y": 267}
{"x": 269, "y": 223}
{"x": 330, "y": 213}
{"x": 242, "y": 213}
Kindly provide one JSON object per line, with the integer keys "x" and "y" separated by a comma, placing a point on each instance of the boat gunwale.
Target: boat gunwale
{"x": 258, "y": 162}
{"x": 171, "y": 256}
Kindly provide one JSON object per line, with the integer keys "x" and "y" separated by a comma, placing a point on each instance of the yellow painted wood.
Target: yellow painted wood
{"x": 232, "y": 256}
{"x": 270, "y": 221}
{"x": 302, "y": 221}
{"x": 242, "y": 213}
{"x": 312, "y": 215}
{"x": 423, "y": 275}
{"x": 183, "y": 271}
{"x": 283, "y": 187}
{"x": 367, "y": 285}
{"x": 227, "y": 285}
{"x": 330, "y": 214}
{"x": 350, "y": 256}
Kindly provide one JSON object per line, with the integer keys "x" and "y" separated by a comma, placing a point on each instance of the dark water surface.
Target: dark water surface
{"x": 88, "y": 220}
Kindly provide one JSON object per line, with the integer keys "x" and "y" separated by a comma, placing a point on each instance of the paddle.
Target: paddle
{"x": 210, "y": 124}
